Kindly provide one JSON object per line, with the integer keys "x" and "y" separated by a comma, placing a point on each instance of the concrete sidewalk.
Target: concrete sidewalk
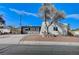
{"x": 49, "y": 43}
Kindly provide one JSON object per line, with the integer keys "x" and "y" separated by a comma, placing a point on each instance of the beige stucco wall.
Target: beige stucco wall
{"x": 75, "y": 33}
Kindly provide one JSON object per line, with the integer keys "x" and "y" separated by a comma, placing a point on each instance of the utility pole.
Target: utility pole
{"x": 20, "y": 18}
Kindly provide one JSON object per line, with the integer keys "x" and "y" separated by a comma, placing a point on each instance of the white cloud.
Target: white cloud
{"x": 16, "y": 11}
{"x": 21, "y": 12}
{"x": 75, "y": 16}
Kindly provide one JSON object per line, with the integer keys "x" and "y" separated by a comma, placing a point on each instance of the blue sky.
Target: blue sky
{"x": 12, "y": 18}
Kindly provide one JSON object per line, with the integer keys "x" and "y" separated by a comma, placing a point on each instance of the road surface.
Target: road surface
{"x": 39, "y": 50}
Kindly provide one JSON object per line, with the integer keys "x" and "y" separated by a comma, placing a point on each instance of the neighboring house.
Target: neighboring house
{"x": 3, "y": 28}
{"x": 75, "y": 32}
{"x": 55, "y": 29}
{"x": 30, "y": 29}
{"x": 59, "y": 29}
{"x": 2, "y": 22}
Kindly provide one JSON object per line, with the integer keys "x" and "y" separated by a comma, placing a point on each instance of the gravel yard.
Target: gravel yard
{"x": 51, "y": 38}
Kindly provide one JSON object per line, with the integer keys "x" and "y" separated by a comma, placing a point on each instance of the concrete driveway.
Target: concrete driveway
{"x": 11, "y": 39}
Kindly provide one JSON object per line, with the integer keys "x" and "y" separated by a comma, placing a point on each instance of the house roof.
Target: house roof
{"x": 76, "y": 30}
{"x": 32, "y": 26}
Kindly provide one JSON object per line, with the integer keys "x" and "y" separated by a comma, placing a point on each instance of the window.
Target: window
{"x": 26, "y": 29}
{"x": 55, "y": 28}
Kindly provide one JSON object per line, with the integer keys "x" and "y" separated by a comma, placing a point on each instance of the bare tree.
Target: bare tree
{"x": 45, "y": 13}
{"x": 57, "y": 16}
{"x": 49, "y": 12}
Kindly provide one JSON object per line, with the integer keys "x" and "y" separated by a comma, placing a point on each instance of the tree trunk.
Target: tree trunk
{"x": 46, "y": 23}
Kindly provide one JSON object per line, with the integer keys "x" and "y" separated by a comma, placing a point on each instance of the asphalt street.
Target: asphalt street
{"x": 14, "y": 49}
